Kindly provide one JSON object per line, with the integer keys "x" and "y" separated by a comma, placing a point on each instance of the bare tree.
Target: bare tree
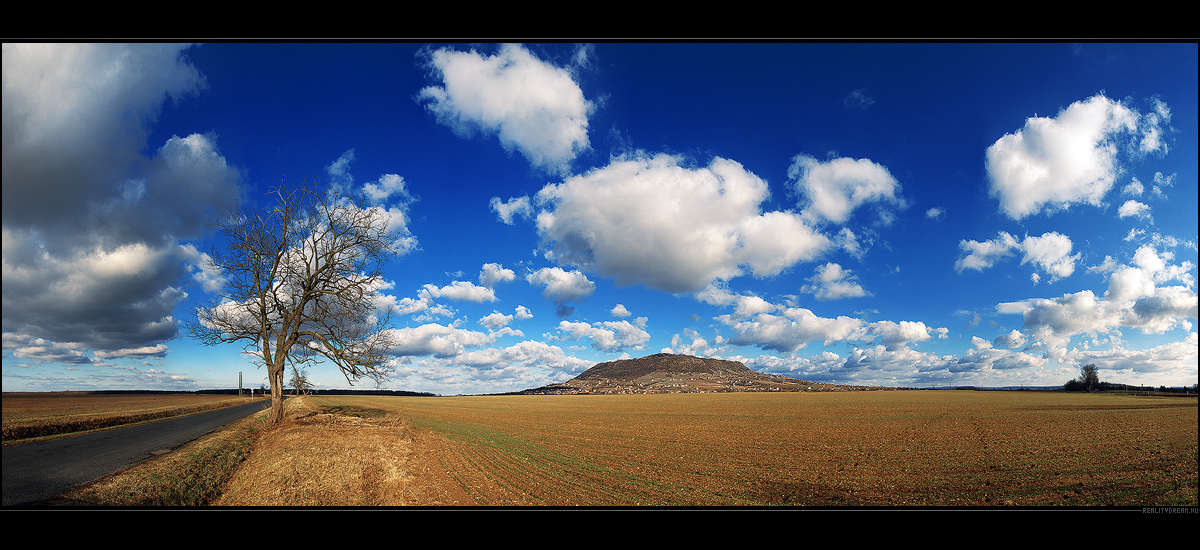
{"x": 300, "y": 383}
{"x": 1089, "y": 376}
{"x": 300, "y": 286}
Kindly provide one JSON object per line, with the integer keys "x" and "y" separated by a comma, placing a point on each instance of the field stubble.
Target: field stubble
{"x": 898, "y": 448}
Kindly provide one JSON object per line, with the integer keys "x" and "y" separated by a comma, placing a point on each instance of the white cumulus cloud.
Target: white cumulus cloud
{"x": 1134, "y": 299}
{"x": 462, "y": 290}
{"x": 608, "y": 336}
{"x": 434, "y": 339}
{"x": 1133, "y": 208}
{"x": 495, "y": 273}
{"x": 653, "y": 221}
{"x": 561, "y": 287}
{"x": 1073, "y": 158}
{"x": 832, "y": 282}
{"x": 792, "y": 329}
{"x": 532, "y": 106}
{"x": 832, "y": 190}
{"x": 1051, "y": 252}
{"x": 896, "y": 335}
{"x": 495, "y": 320}
{"x": 509, "y": 210}
{"x": 743, "y": 305}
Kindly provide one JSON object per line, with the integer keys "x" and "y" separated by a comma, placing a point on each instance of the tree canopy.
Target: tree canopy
{"x": 301, "y": 280}
{"x": 1088, "y": 380}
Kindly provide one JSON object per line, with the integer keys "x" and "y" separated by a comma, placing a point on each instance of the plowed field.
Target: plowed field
{"x": 895, "y": 448}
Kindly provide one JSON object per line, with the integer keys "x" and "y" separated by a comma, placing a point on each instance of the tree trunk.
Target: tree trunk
{"x": 276, "y": 379}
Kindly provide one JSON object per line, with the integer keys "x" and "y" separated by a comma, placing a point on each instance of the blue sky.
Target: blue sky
{"x": 916, "y": 214}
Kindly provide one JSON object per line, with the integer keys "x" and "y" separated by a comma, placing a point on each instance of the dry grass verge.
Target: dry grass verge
{"x": 195, "y": 475}
{"x": 337, "y": 457}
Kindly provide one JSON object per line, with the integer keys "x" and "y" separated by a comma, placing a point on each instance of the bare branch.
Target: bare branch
{"x": 301, "y": 283}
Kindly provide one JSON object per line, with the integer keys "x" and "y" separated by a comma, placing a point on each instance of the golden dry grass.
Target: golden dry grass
{"x": 316, "y": 458}
{"x": 193, "y": 475}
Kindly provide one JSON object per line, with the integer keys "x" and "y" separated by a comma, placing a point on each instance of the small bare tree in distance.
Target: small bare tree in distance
{"x": 300, "y": 284}
{"x": 1089, "y": 376}
{"x": 299, "y": 381}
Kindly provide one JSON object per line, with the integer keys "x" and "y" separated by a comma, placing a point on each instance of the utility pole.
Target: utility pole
{"x": 239, "y": 383}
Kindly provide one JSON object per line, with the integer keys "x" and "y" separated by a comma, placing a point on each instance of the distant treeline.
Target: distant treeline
{"x": 147, "y": 392}
{"x": 1075, "y": 385}
{"x": 994, "y": 388}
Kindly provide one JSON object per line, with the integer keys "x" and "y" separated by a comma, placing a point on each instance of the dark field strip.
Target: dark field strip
{"x": 28, "y": 416}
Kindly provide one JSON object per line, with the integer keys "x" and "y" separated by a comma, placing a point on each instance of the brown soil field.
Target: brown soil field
{"x": 840, "y": 449}
{"x": 38, "y": 414}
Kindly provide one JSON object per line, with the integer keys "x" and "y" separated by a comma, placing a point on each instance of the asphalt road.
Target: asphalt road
{"x": 37, "y": 471}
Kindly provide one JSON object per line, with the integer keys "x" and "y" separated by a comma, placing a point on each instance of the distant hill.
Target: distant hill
{"x": 632, "y": 369}
{"x": 671, "y": 373}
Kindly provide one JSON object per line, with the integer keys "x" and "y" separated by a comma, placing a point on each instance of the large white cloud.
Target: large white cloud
{"x": 462, "y": 290}
{"x": 792, "y": 329}
{"x": 1052, "y": 322}
{"x": 524, "y": 365}
{"x": 1133, "y": 208}
{"x": 608, "y": 336}
{"x": 744, "y": 305}
{"x": 832, "y": 190}
{"x": 1165, "y": 309}
{"x": 93, "y": 226}
{"x": 561, "y": 287}
{"x": 895, "y": 335}
{"x": 832, "y": 282}
{"x": 495, "y": 320}
{"x": 1014, "y": 339}
{"x": 902, "y": 366}
{"x": 435, "y": 339}
{"x": 651, "y": 220}
{"x": 997, "y": 359}
{"x": 529, "y": 353}
{"x": 1073, "y": 158}
{"x": 493, "y": 273}
{"x": 1134, "y": 299}
{"x": 982, "y": 255}
{"x": 1051, "y": 252}
{"x": 1170, "y": 361}
{"x": 532, "y": 106}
